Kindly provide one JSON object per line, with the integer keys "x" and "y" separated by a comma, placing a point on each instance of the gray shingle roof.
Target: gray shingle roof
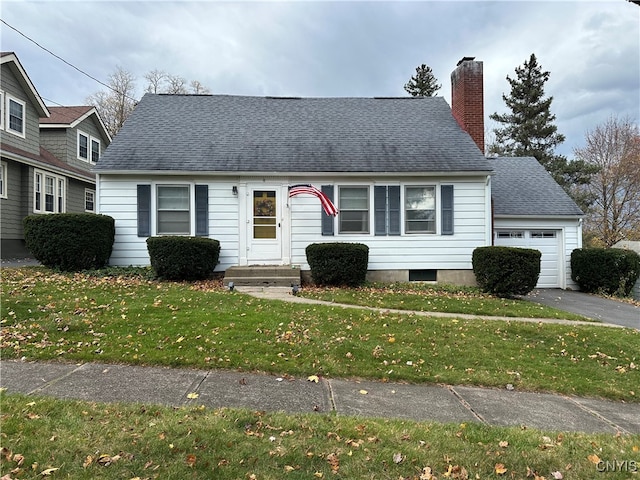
{"x": 521, "y": 186}
{"x": 221, "y": 133}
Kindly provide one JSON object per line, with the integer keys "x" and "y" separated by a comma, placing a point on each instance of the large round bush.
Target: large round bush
{"x": 70, "y": 241}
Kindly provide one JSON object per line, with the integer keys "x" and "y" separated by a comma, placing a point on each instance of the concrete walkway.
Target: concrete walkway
{"x": 222, "y": 388}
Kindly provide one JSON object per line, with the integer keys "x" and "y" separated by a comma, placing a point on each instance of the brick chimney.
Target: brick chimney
{"x": 467, "y": 98}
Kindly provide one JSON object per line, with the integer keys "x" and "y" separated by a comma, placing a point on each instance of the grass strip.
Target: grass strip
{"x": 44, "y": 437}
{"x": 437, "y": 298}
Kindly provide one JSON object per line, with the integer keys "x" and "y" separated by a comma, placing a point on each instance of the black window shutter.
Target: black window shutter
{"x": 202, "y": 210}
{"x": 394, "y": 210}
{"x": 380, "y": 209}
{"x": 446, "y": 197}
{"x": 144, "y": 210}
{"x": 327, "y": 220}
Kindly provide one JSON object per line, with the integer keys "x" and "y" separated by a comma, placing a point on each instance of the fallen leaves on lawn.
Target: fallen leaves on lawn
{"x": 313, "y": 378}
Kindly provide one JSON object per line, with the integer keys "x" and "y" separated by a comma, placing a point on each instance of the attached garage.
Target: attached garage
{"x": 530, "y": 210}
{"x": 548, "y": 242}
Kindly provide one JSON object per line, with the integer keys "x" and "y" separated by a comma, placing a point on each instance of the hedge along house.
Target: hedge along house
{"x": 407, "y": 179}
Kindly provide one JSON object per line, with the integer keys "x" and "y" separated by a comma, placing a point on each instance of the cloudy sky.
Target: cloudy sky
{"x": 338, "y": 48}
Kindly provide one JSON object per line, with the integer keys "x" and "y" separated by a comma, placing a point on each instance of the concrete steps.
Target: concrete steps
{"x": 262, "y": 276}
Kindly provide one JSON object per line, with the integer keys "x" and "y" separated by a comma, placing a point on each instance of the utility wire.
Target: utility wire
{"x": 64, "y": 61}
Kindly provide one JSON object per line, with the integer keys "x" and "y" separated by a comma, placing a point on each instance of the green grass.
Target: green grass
{"x": 132, "y": 319}
{"x": 437, "y": 298}
{"x": 78, "y": 440}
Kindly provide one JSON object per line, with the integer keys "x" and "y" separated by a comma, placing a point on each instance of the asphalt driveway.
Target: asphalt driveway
{"x": 592, "y": 306}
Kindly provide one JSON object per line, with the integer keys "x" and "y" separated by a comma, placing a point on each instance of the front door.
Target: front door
{"x": 265, "y": 245}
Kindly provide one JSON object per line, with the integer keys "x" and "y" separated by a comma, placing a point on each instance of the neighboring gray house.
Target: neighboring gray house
{"x": 43, "y": 166}
{"x": 407, "y": 178}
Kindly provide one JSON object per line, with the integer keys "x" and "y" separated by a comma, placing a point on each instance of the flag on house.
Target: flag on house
{"x": 327, "y": 205}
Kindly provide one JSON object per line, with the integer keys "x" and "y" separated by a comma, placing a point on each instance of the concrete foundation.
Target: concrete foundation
{"x": 453, "y": 277}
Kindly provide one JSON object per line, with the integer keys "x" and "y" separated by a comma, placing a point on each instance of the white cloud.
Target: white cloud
{"x": 591, "y": 49}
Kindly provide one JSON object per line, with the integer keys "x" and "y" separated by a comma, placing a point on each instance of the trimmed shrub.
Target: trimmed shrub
{"x": 506, "y": 271}
{"x": 183, "y": 258}
{"x": 613, "y": 271}
{"x": 70, "y": 241}
{"x": 338, "y": 263}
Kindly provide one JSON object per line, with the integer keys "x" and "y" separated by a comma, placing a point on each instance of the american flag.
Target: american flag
{"x": 327, "y": 205}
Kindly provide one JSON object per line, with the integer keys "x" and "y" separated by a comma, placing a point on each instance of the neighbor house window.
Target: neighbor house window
{"x": 83, "y": 146}
{"x": 49, "y": 193}
{"x": 420, "y": 209}
{"x": 354, "y": 209}
{"x": 2, "y": 110}
{"x": 173, "y": 210}
{"x": 15, "y": 116}
{"x": 89, "y": 200}
{"x": 95, "y": 150}
{"x": 3, "y": 180}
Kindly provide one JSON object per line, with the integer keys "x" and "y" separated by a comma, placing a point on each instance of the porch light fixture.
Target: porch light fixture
{"x": 234, "y": 190}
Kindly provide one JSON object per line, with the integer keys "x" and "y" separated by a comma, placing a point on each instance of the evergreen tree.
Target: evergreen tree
{"x": 528, "y": 130}
{"x": 423, "y": 83}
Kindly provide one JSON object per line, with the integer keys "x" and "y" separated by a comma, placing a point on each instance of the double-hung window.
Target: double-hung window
{"x": 89, "y": 200}
{"x": 83, "y": 146}
{"x": 95, "y": 150}
{"x": 177, "y": 209}
{"x": 49, "y": 193}
{"x": 173, "y": 215}
{"x": 15, "y": 116}
{"x": 354, "y": 209}
{"x": 420, "y": 209}
{"x": 3, "y": 180}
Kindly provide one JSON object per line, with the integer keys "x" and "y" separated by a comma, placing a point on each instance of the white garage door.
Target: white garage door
{"x": 546, "y": 241}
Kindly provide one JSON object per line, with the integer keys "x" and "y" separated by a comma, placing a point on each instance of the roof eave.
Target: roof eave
{"x": 272, "y": 173}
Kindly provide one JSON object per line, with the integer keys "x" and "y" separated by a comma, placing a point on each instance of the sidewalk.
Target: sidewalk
{"x": 222, "y": 388}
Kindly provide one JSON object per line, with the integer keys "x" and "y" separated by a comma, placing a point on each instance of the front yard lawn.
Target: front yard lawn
{"x": 131, "y": 319}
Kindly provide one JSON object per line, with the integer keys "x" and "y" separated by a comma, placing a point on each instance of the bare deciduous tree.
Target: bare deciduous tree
{"x": 614, "y": 148}
{"x": 156, "y": 79}
{"x": 116, "y": 104}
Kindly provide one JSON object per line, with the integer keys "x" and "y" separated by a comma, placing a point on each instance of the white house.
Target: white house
{"x": 407, "y": 178}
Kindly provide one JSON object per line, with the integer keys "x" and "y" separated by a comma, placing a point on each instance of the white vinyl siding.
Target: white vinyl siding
{"x": 117, "y": 197}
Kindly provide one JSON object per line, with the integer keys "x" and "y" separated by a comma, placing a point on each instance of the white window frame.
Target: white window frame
{"x": 8, "y": 128}
{"x": 80, "y": 157}
{"x": 93, "y": 140}
{"x": 2, "y": 110}
{"x": 343, "y": 209}
{"x": 190, "y": 210}
{"x": 3, "y": 180}
{"x": 405, "y": 209}
{"x": 88, "y": 192}
{"x": 59, "y": 192}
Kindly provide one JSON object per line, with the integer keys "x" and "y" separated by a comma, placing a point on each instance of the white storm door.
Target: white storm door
{"x": 264, "y": 226}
